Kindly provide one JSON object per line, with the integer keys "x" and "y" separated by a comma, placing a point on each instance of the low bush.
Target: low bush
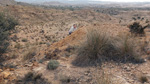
{"x": 137, "y": 28}
{"x": 33, "y": 78}
{"x": 65, "y": 79}
{"x": 7, "y": 23}
{"x": 24, "y": 40}
{"x": 18, "y": 46}
{"x": 52, "y": 65}
{"x": 143, "y": 79}
{"x": 29, "y": 54}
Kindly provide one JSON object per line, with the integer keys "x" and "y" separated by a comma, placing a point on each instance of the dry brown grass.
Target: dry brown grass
{"x": 99, "y": 46}
{"x": 128, "y": 48}
{"x": 106, "y": 77}
{"x": 29, "y": 54}
{"x": 143, "y": 79}
{"x": 96, "y": 45}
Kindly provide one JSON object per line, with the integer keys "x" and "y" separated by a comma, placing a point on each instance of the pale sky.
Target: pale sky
{"x": 125, "y": 0}
{"x": 85, "y": 0}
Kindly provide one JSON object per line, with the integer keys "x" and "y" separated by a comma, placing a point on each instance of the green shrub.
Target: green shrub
{"x": 53, "y": 64}
{"x": 24, "y": 40}
{"x": 7, "y": 23}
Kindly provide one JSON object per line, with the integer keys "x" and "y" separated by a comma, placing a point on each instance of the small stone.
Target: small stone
{"x": 86, "y": 74}
{"x": 29, "y": 65}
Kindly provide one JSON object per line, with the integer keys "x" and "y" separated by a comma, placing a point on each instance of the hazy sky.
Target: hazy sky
{"x": 85, "y": 0}
{"x": 125, "y": 0}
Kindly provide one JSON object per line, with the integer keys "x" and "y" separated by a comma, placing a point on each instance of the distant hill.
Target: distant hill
{"x": 7, "y": 2}
{"x": 105, "y": 4}
{"x": 53, "y": 3}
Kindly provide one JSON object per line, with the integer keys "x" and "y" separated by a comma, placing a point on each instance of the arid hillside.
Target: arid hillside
{"x": 36, "y": 15}
{"x": 39, "y": 49}
{"x": 7, "y": 2}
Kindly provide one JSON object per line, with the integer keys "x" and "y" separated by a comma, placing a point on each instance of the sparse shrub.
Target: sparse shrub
{"x": 138, "y": 17}
{"x": 18, "y": 46}
{"x": 14, "y": 55}
{"x": 142, "y": 18}
{"x": 41, "y": 60}
{"x": 137, "y": 28}
{"x": 33, "y": 78}
{"x": 70, "y": 49}
{"x": 7, "y": 23}
{"x": 29, "y": 54}
{"x": 105, "y": 78}
{"x": 24, "y": 40}
{"x": 53, "y": 64}
{"x": 3, "y": 46}
{"x": 143, "y": 79}
{"x": 27, "y": 45}
{"x": 147, "y": 21}
{"x": 64, "y": 78}
{"x": 133, "y": 18}
{"x": 99, "y": 47}
{"x": 127, "y": 48}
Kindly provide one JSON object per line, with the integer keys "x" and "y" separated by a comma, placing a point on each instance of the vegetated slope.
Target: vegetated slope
{"x": 44, "y": 34}
{"x": 80, "y": 35}
{"x": 7, "y": 2}
{"x": 34, "y": 15}
{"x": 122, "y": 72}
{"x": 42, "y": 27}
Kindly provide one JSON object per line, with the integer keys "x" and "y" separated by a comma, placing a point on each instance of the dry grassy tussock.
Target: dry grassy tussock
{"x": 99, "y": 46}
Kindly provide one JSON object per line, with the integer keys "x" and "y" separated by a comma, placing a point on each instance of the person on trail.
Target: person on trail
{"x": 72, "y": 29}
